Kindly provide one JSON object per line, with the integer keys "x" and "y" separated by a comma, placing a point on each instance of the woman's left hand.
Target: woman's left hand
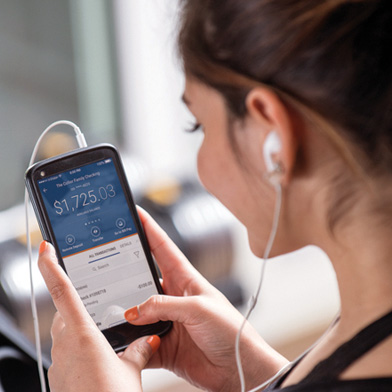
{"x": 82, "y": 358}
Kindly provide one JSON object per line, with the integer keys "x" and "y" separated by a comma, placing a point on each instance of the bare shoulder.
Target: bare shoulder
{"x": 376, "y": 363}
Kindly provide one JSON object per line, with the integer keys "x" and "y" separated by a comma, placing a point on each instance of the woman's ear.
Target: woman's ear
{"x": 266, "y": 110}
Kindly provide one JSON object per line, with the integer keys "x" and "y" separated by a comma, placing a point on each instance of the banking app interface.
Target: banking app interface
{"x": 98, "y": 241}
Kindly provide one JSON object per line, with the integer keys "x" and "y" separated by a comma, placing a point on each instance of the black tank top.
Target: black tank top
{"x": 325, "y": 375}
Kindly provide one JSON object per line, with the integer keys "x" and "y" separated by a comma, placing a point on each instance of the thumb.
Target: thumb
{"x": 64, "y": 295}
{"x": 164, "y": 308}
{"x": 139, "y": 352}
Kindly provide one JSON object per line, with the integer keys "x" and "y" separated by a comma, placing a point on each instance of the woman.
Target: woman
{"x": 316, "y": 75}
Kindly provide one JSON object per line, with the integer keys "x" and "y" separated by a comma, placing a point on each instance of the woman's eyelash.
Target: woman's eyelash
{"x": 193, "y": 128}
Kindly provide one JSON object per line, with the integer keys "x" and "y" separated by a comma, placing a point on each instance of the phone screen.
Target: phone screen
{"x": 97, "y": 238}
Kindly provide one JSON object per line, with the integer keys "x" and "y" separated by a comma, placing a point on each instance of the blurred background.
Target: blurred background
{"x": 112, "y": 68}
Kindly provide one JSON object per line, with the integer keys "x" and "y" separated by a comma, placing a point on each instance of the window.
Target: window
{"x": 56, "y": 62}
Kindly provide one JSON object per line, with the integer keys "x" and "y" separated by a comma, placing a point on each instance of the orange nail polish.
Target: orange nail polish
{"x": 131, "y": 314}
{"x": 154, "y": 341}
{"x": 42, "y": 247}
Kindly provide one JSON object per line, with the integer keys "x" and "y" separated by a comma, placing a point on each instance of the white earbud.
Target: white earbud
{"x": 272, "y": 145}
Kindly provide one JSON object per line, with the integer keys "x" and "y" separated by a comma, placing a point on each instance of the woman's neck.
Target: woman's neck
{"x": 362, "y": 258}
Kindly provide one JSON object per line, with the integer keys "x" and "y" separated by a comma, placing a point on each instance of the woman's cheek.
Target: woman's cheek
{"x": 209, "y": 169}
{"x": 202, "y": 168}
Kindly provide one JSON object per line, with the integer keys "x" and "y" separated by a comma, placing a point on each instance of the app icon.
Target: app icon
{"x": 70, "y": 239}
{"x": 95, "y": 231}
{"x": 120, "y": 223}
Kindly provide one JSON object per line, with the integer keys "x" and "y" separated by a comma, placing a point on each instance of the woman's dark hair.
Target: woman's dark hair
{"x": 333, "y": 57}
{"x": 329, "y": 59}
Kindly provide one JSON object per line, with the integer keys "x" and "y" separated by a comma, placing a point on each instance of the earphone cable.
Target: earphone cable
{"x": 254, "y": 298}
{"x": 81, "y": 143}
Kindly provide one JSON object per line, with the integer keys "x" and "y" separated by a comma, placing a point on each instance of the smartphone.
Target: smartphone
{"x": 84, "y": 207}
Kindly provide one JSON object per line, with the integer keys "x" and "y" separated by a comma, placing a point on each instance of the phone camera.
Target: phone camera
{"x": 42, "y": 173}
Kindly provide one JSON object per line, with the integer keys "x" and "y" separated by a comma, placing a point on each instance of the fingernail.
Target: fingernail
{"x": 42, "y": 247}
{"x": 132, "y": 314}
{"x": 154, "y": 341}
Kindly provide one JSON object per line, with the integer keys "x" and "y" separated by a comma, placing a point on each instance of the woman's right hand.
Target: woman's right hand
{"x": 201, "y": 345}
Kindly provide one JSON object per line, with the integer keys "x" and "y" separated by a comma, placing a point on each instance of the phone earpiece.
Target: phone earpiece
{"x": 272, "y": 145}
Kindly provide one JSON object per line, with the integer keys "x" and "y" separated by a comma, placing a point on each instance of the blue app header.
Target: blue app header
{"x": 87, "y": 207}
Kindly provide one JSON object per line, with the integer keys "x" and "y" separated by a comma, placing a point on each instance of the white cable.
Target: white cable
{"x": 284, "y": 369}
{"x": 254, "y": 298}
{"x": 289, "y": 365}
{"x": 33, "y": 302}
{"x": 253, "y": 302}
{"x": 79, "y": 137}
{"x": 81, "y": 143}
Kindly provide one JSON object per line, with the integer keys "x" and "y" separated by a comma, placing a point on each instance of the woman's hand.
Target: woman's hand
{"x": 82, "y": 358}
{"x": 200, "y": 347}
